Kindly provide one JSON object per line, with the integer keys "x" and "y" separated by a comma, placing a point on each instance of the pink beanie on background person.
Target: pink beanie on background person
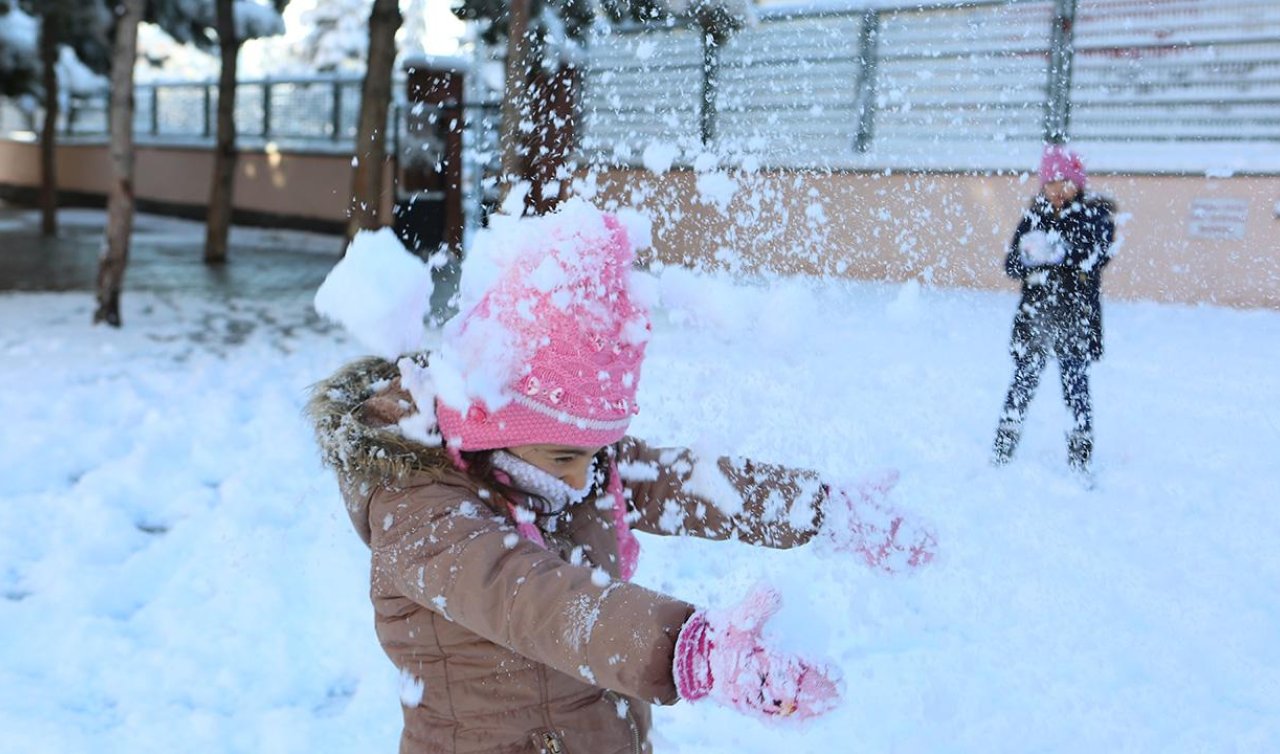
{"x": 571, "y": 338}
{"x": 1058, "y": 163}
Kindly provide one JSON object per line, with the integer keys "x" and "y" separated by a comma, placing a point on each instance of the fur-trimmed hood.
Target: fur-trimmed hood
{"x": 355, "y": 414}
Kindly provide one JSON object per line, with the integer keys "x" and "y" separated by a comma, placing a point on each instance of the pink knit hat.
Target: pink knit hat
{"x": 550, "y": 351}
{"x": 1059, "y": 163}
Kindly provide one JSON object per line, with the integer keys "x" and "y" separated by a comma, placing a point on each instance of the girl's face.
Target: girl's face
{"x": 1060, "y": 192}
{"x": 566, "y": 463}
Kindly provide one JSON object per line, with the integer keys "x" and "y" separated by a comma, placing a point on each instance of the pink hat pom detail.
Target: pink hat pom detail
{"x": 1058, "y": 163}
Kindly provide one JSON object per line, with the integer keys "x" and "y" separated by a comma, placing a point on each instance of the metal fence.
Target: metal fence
{"x": 14, "y": 118}
{"x": 310, "y": 113}
{"x": 1177, "y": 70}
{"x": 307, "y": 115}
{"x": 959, "y": 82}
{"x": 955, "y": 84}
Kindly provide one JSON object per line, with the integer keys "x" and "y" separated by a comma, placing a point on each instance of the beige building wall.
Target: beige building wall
{"x": 285, "y": 183}
{"x": 1184, "y": 238}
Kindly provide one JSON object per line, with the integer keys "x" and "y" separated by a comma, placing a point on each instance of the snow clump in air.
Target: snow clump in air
{"x": 380, "y": 293}
{"x": 516, "y": 269}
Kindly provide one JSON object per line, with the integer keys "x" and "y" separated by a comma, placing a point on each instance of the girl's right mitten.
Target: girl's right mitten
{"x": 721, "y": 655}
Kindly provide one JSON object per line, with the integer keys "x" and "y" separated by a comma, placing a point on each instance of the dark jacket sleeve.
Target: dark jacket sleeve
{"x": 674, "y": 491}
{"x": 1095, "y": 233}
{"x": 445, "y": 550}
{"x": 1013, "y": 266}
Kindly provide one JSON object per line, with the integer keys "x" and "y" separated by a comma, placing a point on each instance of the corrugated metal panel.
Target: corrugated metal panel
{"x": 1186, "y": 70}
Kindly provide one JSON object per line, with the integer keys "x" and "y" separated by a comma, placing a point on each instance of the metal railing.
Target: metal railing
{"x": 301, "y": 114}
{"x": 312, "y": 113}
{"x": 14, "y": 118}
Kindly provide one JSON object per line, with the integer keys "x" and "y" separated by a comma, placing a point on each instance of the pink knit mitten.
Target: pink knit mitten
{"x": 721, "y": 655}
{"x": 859, "y": 520}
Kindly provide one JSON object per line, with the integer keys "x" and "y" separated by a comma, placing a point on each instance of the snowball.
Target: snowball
{"x": 412, "y": 689}
{"x": 380, "y": 293}
{"x": 599, "y": 577}
{"x": 420, "y": 426}
{"x": 638, "y": 226}
{"x": 709, "y": 482}
{"x": 717, "y": 188}
{"x": 659, "y": 156}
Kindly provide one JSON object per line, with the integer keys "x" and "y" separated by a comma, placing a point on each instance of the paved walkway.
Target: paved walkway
{"x": 166, "y": 256}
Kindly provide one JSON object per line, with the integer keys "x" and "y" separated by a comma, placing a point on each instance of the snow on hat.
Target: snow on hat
{"x": 1058, "y": 163}
{"x": 549, "y": 340}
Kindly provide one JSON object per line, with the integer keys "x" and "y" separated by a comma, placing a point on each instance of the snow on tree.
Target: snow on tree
{"x": 19, "y": 61}
{"x": 195, "y": 21}
{"x": 333, "y": 34}
{"x": 44, "y": 48}
{"x": 160, "y": 56}
{"x": 81, "y": 58}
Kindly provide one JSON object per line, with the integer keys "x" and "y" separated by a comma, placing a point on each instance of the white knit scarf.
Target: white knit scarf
{"x": 554, "y": 494}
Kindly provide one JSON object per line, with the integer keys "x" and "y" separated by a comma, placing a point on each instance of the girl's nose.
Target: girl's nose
{"x": 575, "y": 479}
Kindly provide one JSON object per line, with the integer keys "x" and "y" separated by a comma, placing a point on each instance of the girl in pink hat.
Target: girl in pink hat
{"x": 498, "y": 492}
{"x": 1058, "y": 251}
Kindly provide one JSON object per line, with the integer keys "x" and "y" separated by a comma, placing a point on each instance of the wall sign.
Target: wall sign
{"x": 1218, "y": 219}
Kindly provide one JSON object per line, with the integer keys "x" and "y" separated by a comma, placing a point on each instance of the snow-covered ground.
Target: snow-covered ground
{"x": 177, "y": 572}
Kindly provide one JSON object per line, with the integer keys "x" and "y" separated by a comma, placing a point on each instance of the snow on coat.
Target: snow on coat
{"x": 508, "y": 642}
{"x": 1061, "y": 309}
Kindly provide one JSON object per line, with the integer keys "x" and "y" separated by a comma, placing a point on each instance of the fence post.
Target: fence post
{"x": 868, "y": 58}
{"x": 1057, "y": 111}
{"x": 397, "y": 118}
{"x": 335, "y": 123}
{"x": 266, "y": 110}
{"x": 155, "y": 109}
{"x": 710, "y": 84}
{"x": 69, "y": 117}
{"x": 207, "y": 96}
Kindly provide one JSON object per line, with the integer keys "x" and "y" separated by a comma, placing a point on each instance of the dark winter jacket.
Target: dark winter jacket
{"x": 1060, "y": 310}
{"x": 517, "y": 649}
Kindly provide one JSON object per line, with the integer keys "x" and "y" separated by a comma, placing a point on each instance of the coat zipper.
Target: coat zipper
{"x": 551, "y": 743}
{"x": 631, "y": 721}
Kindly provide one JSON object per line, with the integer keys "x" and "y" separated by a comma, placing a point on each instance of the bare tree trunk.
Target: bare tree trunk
{"x": 51, "y": 21}
{"x": 553, "y": 111}
{"x": 514, "y": 95}
{"x": 371, "y": 137}
{"x": 120, "y": 199}
{"x": 218, "y": 220}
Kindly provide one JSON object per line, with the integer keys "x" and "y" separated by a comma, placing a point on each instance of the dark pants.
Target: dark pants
{"x": 1074, "y": 372}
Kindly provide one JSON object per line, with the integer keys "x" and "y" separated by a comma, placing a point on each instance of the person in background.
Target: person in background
{"x": 1058, "y": 251}
{"x": 502, "y": 547}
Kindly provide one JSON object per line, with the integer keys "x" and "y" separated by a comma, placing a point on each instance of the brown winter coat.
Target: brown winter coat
{"x": 517, "y": 648}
